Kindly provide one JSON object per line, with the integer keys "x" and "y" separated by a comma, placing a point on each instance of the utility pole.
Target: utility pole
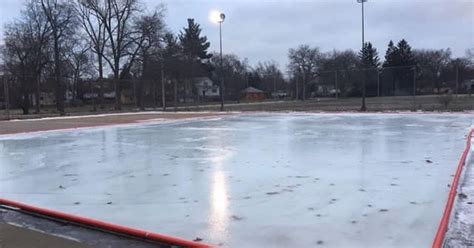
{"x": 363, "y": 107}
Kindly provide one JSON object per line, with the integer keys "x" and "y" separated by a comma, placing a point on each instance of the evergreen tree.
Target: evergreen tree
{"x": 369, "y": 57}
{"x": 399, "y": 61}
{"x": 400, "y": 55}
{"x": 194, "y": 45}
{"x": 390, "y": 55}
{"x": 404, "y": 54}
{"x": 196, "y": 57}
{"x": 172, "y": 55}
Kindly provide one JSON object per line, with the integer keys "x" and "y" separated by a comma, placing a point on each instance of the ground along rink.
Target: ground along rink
{"x": 265, "y": 180}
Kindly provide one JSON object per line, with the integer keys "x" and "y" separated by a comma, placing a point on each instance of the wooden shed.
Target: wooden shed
{"x": 253, "y": 94}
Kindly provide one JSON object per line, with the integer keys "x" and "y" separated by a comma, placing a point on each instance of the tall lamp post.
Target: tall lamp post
{"x": 363, "y": 108}
{"x": 221, "y": 90}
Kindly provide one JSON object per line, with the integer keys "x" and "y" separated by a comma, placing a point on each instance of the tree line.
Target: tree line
{"x": 431, "y": 70}
{"x": 58, "y": 46}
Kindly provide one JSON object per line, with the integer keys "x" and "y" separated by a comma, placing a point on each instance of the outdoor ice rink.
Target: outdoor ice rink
{"x": 250, "y": 180}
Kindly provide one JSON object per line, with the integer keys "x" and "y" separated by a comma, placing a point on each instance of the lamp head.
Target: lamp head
{"x": 216, "y": 16}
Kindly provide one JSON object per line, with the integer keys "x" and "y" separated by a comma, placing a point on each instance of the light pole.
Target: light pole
{"x": 363, "y": 108}
{"x": 221, "y": 91}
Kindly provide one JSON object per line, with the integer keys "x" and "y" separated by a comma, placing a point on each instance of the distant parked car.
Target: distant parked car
{"x": 279, "y": 94}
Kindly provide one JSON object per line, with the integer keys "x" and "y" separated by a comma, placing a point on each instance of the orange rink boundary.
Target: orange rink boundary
{"x": 104, "y": 226}
{"x": 444, "y": 223}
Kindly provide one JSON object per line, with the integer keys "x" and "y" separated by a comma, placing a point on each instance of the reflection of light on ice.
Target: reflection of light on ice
{"x": 219, "y": 200}
{"x": 219, "y": 206}
{"x": 217, "y": 160}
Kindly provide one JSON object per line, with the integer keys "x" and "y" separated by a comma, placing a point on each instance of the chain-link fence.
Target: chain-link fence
{"x": 389, "y": 88}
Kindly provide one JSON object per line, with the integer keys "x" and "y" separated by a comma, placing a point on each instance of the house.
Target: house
{"x": 253, "y": 94}
{"x": 46, "y": 99}
{"x": 205, "y": 87}
{"x": 469, "y": 85}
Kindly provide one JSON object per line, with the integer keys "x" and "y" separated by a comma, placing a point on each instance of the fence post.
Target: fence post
{"x": 175, "y": 89}
{"x": 296, "y": 87}
{"x": 7, "y": 97}
{"x": 414, "y": 87}
{"x": 457, "y": 80}
{"x": 337, "y": 88}
{"x": 163, "y": 89}
{"x": 378, "y": 82}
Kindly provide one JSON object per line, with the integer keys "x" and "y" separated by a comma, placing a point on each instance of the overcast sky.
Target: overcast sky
{"x": 265, "y": 30}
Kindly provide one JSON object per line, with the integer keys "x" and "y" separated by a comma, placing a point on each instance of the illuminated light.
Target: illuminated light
{"x": 216, "y": 16}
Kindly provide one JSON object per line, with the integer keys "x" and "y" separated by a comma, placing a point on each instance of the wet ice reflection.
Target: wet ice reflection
{"x": 219, "y": 199}
{"x": 219, "y": 214}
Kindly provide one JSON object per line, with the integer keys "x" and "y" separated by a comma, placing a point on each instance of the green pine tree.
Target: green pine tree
{"x": 369, "y": 56}
{"x": 390, "y": 55}
{"x": 194, "y": 45}
{"x": 404, "y": 54}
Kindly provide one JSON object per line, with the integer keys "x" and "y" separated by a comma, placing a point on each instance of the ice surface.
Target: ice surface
{"x": 258, "y": 180}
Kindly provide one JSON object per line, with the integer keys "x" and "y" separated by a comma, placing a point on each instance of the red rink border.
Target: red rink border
{"x": 444, "y": 223}
{"x": 104, "y": 226}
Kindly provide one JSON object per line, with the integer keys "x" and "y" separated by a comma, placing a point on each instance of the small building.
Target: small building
{"x": 253, "y": 94}
{"x": 469, "y": 85}
{"x": 46, "y": 99}
{"x": 205, "y": 87}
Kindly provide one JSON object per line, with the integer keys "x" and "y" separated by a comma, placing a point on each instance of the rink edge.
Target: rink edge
{"x": 444, "y": 223}
{"x": 104, "y": 226}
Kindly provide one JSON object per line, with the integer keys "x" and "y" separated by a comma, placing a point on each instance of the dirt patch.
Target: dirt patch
{"x": 49, "y": 124}
{"x": 12, "y": 236}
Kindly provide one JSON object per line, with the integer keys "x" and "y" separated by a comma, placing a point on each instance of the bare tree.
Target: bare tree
{"x": 432, "y": 64}
{"x": 39, "y": 29}
{"x": 270, "y": 75}
{"x": 16, "y": 54}
{"x": 234, "y": 71}
{"x": 94, "y": 27}
{"x": 151, "y": 29}
{"x": 305, "y": 61}
{"x": 470, "y": 55}
{"x": 62, "y": 19}
{"x": 122, "y": 41}
{"x": 79, "y": 60}
{"x": 25, "y": 51}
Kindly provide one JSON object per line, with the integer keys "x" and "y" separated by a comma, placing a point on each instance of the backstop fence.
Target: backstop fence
{"x": 404, "y": 87}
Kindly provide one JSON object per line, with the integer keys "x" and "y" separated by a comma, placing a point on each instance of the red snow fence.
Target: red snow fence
{"x": 104, "y": 226}
{"x": 444, "y": 223}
